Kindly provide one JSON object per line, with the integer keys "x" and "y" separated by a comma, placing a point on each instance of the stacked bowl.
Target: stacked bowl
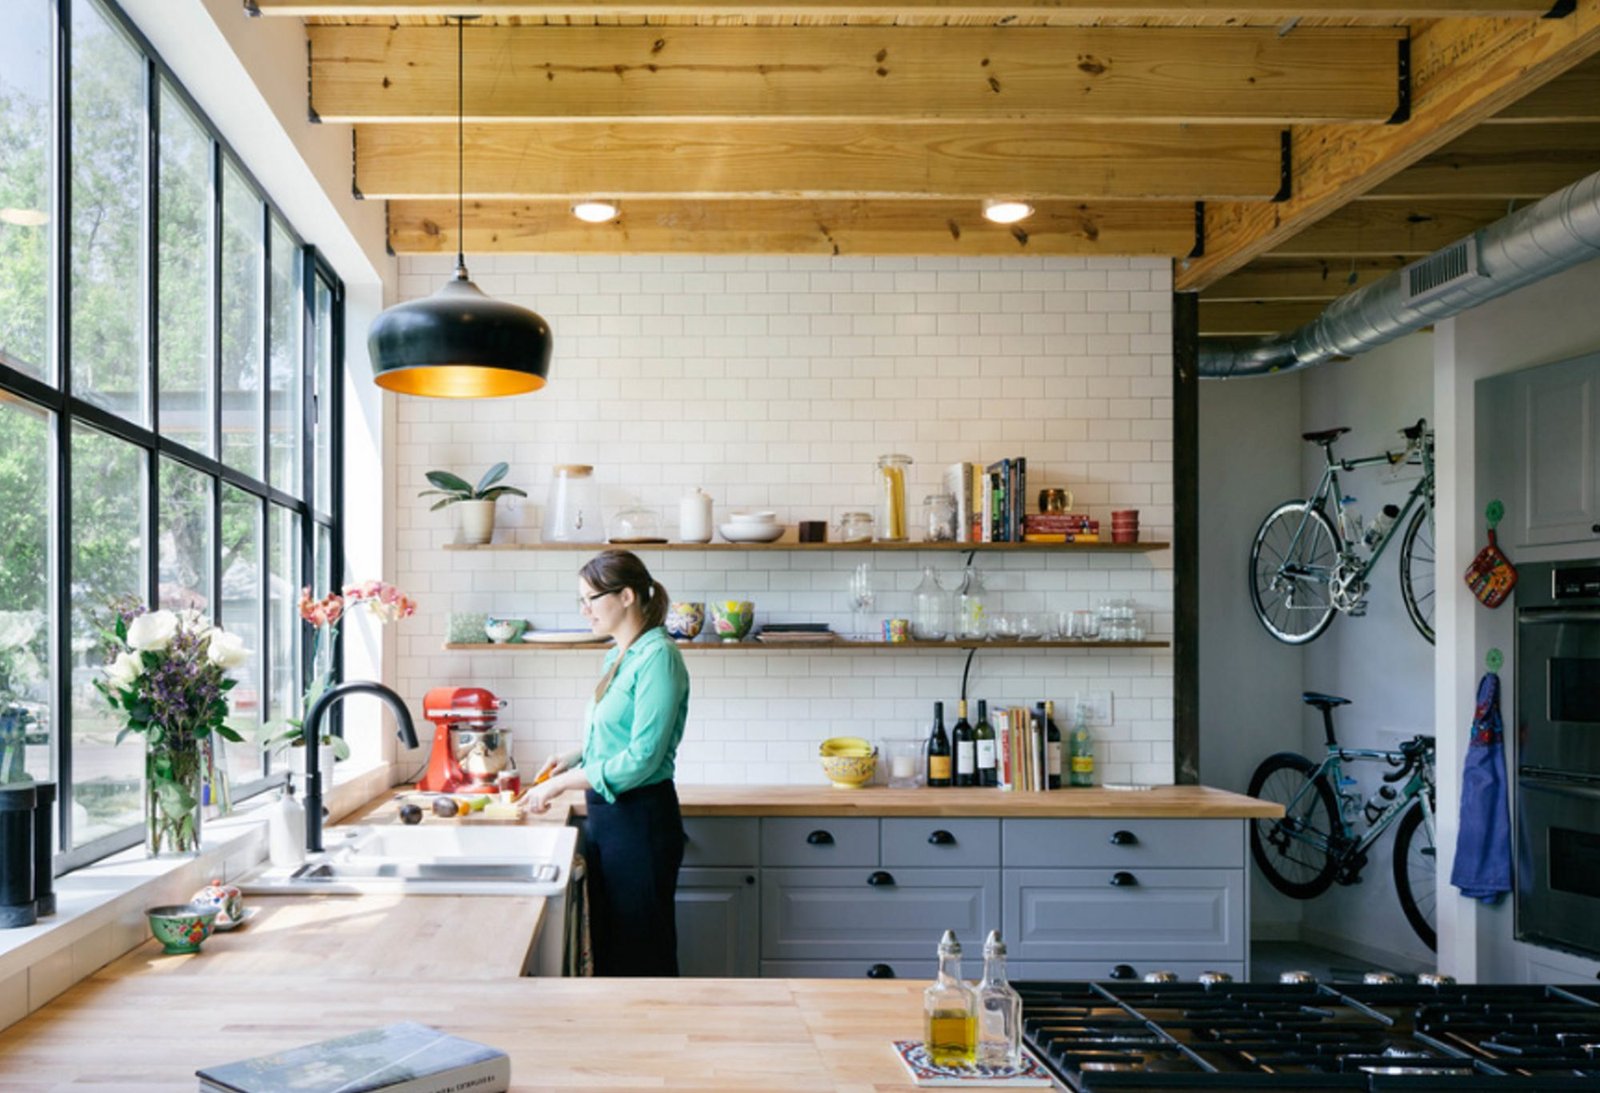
{"x": 752, "y": 527}
{"x": 1125, "y": 526}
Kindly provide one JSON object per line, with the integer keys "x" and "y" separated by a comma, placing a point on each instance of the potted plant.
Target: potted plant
{"x": 477, "y": 502}
{"x": 385, "y": 603}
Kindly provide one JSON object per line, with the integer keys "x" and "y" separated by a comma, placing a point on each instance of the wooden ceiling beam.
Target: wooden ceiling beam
{"x": 1110, "y": 9}
{"x": 1390, "y": 229}
{"x": 1462, "y": 72}
{"x": 843, "y": 228}
{"x": 820, "y": 160}
{"x": 1501, "y": 161}
{"x": 1574, "y": 96}
{"x": 1299, "y": 279}
{"x": 408, "y": 74}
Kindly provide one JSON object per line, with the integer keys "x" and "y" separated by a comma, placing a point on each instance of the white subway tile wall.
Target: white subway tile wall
{"x": 775, "y": 383}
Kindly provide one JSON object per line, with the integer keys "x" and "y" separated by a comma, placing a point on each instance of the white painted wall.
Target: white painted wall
{"x": 1252, "y": 457}
{"x": 775, "y": 383}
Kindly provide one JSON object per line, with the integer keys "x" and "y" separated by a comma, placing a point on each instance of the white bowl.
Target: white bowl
{"x": 766, "y": 517}
{"x": 751, "y": 532}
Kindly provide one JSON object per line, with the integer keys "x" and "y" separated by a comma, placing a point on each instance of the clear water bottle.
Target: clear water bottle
{"x": 1350, "y": 523}
{"x": 1381, "y": 524}
{"x": 1378, "y": 802}
{"x": 1349, "y": 798}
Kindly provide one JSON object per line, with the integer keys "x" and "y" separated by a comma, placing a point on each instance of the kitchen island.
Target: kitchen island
{"x": 309, "y": 968}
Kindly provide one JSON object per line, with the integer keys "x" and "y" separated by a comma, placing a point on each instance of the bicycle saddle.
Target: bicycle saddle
{"x": 1323, "y": 702}
{"x": 1326, "y": 436}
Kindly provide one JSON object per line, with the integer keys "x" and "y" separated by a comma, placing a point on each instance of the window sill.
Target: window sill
{"x": 100, "y": 907}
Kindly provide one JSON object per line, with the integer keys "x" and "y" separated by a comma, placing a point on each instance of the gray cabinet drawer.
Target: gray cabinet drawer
{"x": 721, "y": 840}
{"x": 838, "y": 914}
{"x": 1123, "y": 844}
{"x": 1187, "y": 971}
{"x": 931, "y": 842}
{"x": 823, "y": 841}
{"x": 1160, "y": 915}
{"x": 851, "y": 969}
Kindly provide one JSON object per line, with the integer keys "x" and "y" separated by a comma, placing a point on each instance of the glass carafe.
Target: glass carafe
{"x": 930, "y": 616}
{"x": 892, "y": 497}
{"x": 971, "y": 620}
{"x": 572, "y": 508}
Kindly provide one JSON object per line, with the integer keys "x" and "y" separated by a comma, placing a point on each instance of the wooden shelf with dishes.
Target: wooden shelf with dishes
{"x": 1142, "y": 547}
{"x": 808, "y": 646}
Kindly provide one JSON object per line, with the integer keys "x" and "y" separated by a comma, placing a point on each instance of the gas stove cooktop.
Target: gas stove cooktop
{"x": 1129, "y": 1038}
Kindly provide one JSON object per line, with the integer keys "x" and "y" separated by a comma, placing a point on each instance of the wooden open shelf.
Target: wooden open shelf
{"x": 749, "y": 644}
{"x": 795, "y": 544}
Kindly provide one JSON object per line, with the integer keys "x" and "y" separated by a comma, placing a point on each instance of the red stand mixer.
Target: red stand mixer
{"x": 469, "y": 751}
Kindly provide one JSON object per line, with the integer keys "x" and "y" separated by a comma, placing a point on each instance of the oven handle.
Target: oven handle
{"x": 1589, "y": 790}
{"x": 1529, "y": 616}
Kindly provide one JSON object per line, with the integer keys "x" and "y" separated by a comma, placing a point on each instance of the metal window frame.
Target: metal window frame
{"x": 55, "y": 397}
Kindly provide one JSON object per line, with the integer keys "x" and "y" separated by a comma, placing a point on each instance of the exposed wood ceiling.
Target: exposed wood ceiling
{"x": 1281, "y": 154}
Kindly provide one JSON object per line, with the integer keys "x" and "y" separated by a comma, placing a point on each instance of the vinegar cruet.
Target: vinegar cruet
{"x": 950, "y": 1010}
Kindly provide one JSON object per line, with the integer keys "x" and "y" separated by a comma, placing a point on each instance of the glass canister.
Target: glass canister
{"x": 855, "y": 527}
{"x": 892, "y": 497}
{"x": 572, "y": 506}
{"x": 939, "y": 518}
{"x": 930, "y": 617}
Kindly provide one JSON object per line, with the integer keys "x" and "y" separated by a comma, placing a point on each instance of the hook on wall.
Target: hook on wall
{"x": 1494, "y": 659}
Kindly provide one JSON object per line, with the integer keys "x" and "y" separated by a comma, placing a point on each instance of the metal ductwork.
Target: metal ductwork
{"x": 1557, "y": 233}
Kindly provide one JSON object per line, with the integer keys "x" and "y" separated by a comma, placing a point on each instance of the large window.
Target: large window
{"x": 169, "y": 364}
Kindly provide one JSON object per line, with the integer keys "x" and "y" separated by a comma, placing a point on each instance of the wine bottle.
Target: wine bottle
{"x": 1052, "y": 745}
{"x": 938, "y": 750}
{"x": 966, "y": 748}
{"x": 983, "y": 737}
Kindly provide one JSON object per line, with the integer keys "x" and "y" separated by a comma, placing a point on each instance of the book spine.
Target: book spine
{"x": 489, "y": 1076}
{"x": 1001, "y": 724}
{"x": 958, "y": 483}
{"x": 1019, "y": 502}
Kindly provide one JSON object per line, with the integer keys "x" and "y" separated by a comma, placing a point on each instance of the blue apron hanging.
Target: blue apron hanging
{"x": 1482, "y": 868}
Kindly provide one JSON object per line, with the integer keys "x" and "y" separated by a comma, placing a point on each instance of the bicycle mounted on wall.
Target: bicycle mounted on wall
{"x": 1305, "y": 565}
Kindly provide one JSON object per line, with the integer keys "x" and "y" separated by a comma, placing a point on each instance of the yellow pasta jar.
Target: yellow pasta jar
{"x": 892, "y": 490}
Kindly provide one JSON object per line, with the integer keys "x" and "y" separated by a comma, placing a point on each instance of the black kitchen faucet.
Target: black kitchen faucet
{"x": 405, "y": 730}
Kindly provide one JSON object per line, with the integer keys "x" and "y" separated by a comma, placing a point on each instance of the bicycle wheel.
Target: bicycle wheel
{"x": 1417, "y": 558}
{"x": 1415, "y": 869}
{"x": 1291, "y": 561}
{"x": 1293, "y": 851}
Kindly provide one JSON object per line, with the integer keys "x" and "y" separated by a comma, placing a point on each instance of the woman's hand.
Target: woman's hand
{"x": 552, "y": 767}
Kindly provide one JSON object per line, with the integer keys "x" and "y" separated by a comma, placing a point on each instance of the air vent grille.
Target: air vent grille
{"x": 1442, "y": 270}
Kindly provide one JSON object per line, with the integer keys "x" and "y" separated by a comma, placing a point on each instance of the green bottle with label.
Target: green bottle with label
{"x": 1080, "y": 751}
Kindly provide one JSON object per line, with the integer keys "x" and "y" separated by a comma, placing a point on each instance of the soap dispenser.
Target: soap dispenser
{"x": 286, "y": 831}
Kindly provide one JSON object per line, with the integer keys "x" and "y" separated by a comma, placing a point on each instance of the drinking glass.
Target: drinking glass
{"x": 862, "y": 596}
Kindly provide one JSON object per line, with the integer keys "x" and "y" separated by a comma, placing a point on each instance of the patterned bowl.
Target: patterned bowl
{"x": 181, "y": 927}
{"x": 850, "y": 771}
{"x": 731, "y": 619}
{"x": 226, "y": 898}
{"x": 685, "y": 620}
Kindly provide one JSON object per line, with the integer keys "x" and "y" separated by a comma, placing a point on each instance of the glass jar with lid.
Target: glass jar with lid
{"x": 855, "y": 527}
{"x": 939, "y": 518}
{"x": 892, "y": 497}
{"x": 572, "y": 507}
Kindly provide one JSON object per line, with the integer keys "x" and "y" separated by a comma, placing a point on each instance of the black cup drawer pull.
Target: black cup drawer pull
{"x": 942, "y": 838}
{"x": 1123, "y": 971}
{"x": 820, "y": 838}
{"x": 1123, "y": 880}
{"x": 1124, "y": 838}
{"x": 880, "y": 971}
{"x": 880, "y": 879}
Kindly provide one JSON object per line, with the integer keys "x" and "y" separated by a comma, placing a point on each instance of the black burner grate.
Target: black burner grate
{"x": 1101, "y": 1037}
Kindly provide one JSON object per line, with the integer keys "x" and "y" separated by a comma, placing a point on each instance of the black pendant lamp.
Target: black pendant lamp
{"x": 459, "y": 343}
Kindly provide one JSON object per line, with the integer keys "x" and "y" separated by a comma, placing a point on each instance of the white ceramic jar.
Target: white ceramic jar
{"x": 694, "y": 517}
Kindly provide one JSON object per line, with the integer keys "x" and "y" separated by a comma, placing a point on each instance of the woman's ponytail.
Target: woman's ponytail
{"x": 655, "y": 604}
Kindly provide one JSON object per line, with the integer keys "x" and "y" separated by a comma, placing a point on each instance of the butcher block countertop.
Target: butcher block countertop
{"x": 1163, "y": 802}
{"x": 306, "y": 969}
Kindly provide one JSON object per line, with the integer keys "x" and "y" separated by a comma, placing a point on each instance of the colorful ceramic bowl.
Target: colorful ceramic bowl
{"x": 181, "y": 927}
{"x": 850, "y": 771}
{"x": 685, "y": 620}
{"x": 847, "y": 746}
{"x": 731, "y": 619}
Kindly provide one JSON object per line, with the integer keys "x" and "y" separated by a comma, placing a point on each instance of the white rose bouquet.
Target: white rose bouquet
{"x": 166, "y": 673}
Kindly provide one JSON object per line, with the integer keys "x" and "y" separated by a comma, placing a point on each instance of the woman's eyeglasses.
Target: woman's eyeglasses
{"x": 585, "y": 601}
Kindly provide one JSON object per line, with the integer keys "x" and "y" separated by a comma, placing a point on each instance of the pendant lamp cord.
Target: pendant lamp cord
{"x": 461, "y": 186}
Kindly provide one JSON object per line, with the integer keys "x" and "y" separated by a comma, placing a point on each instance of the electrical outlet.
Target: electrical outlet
{"x": 1096, "y": 707}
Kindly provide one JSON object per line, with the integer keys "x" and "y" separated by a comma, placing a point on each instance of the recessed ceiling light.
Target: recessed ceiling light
{"x": 595, "y": 212}
{"x": 1007, "y": 212}
{"x": 25, "y": 218}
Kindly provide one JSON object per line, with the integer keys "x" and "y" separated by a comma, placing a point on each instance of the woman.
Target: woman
{"x": 634, "y": 840}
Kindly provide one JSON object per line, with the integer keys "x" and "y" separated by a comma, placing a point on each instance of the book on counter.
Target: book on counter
{"x": 924, "y": 1071}
{"x": 400, "y": 1058}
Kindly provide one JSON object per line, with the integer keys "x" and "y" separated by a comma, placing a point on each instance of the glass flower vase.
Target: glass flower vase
{"x": 174, "y": 771}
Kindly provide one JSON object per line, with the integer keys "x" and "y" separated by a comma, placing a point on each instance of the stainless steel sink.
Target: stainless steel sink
{"x": 460, "y": 872}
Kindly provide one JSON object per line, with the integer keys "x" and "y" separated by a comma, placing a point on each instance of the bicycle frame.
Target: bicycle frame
{"x": 1345, "y": 842}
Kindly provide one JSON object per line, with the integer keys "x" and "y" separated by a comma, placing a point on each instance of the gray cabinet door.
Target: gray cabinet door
{"x": 718, "y": 922}
{"x": 1132, "y": 916}
{"x": 722, "y": 840}
{"x": 1557, "y": 417}
{"x": 1122, "y": 844}
{"x": 938, "y": 843}
{"x": 868, "y": 914}
{"x": 818, "y": 841}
